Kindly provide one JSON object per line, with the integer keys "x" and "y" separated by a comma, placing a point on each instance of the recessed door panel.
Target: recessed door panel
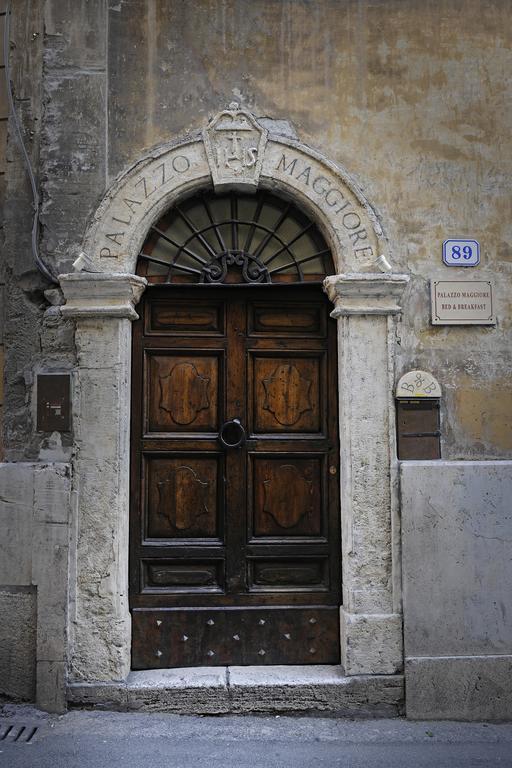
{"x": 203, "y": 318}
{"x": 286, "y": 394}
{"x": 183, "y": 392}
{"x": 182, "y": 576}
{"x": 183, "y": 497}
{"x": 289, "y": 319}
{"x": 287, "y": 496}
{"x": 288, "y": 574}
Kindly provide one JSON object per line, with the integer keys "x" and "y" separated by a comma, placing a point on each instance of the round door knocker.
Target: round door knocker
{"x": 232, "y": 434}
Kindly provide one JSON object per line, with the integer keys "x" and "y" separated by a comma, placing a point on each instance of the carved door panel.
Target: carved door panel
{"x": 234, "y": 541}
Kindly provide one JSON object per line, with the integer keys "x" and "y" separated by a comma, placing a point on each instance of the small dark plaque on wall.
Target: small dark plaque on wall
{"x": 418, "y": 429}
{"x": 53, "y": 402}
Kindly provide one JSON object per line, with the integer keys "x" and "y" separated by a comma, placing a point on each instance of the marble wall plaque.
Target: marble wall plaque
{"x": 462, "y": 302}
{"x": 417, "y": 384}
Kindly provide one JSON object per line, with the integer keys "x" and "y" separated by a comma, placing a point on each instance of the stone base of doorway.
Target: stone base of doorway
{"x": 241, "y": 690}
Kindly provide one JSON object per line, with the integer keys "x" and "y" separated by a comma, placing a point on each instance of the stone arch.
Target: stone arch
{"x": 139, "y": 197}
{"x": 102, "y": 299}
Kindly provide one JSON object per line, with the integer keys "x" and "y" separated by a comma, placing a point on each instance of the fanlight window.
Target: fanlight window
{"x": 234, "y": 238}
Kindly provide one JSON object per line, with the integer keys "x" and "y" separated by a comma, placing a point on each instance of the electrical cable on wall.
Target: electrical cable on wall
{"x": 46, "y": 271}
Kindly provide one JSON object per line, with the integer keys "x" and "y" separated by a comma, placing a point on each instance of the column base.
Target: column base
{"x": 371, "y": 644}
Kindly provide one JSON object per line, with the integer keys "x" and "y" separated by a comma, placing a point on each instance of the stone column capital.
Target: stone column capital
{"x": 101, "y": 294}
{"x": 365, "y": 293}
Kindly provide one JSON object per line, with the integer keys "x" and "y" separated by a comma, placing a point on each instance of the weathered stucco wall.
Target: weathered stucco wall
{"x": 411, "y": 97}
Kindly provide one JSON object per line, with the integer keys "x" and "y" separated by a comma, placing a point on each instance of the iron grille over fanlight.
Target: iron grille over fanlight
{"x": 234, "y": 238}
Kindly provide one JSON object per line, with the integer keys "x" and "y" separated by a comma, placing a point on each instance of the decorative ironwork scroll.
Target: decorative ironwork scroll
{"x": 235, "y": 238}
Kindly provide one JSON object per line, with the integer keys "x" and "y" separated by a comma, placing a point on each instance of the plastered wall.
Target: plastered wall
{"x": 411, "y": 97}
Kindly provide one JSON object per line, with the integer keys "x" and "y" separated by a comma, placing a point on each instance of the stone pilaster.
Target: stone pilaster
{"x": 103, "y": 307}
{"x": 366, "y": 307}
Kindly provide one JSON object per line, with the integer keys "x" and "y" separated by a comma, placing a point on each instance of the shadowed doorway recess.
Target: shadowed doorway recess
{"x": 234, "y": 540}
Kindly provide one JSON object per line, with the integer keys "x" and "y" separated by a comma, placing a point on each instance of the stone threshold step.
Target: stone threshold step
{"x": 240, "y": 690}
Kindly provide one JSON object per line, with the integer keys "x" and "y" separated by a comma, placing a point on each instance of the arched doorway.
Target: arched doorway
{"x": 235, "y": 518}
{"x": 102, "y": 298}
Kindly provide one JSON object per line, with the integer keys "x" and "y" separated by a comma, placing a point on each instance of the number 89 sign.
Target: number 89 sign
{"x": 461, "y": 253}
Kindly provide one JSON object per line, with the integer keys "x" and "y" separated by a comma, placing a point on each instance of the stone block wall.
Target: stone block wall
{"x": 34, "y": 566}
{"x": 4, "y": 112}
{"x": 457, "y": 577}
{"x": 18, "y": 608}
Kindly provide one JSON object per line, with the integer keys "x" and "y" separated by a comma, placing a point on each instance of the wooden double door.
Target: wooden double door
{"x": 234, "y": 540}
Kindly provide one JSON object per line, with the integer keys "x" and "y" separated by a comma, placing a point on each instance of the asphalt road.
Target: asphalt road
{"x": 84, "y": 739}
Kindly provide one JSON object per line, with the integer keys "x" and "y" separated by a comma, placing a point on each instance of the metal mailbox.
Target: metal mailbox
{"x": 418, "y": 422}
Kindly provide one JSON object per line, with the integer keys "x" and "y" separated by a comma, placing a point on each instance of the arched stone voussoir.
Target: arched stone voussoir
{"x": 332, "y": 198}
{"x": 138, "y": 198}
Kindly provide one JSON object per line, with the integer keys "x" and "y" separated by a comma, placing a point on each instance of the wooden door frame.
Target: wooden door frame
{"x": 366, "y": 306}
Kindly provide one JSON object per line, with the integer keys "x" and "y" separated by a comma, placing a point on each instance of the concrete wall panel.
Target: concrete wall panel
{"x": 18, "y": 642}
{"x": 457, "y": 572}
{"x": 35, "y": 508}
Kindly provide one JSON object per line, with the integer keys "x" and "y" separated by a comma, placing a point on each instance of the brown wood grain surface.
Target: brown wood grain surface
{"x": 250, "y": 533}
